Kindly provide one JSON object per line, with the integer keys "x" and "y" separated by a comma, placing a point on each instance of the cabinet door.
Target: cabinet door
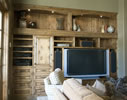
{"x": 43, "y": 51}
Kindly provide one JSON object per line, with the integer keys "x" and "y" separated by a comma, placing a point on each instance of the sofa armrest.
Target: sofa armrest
{"x": 58, "y": 95}
{"x": 71, "y": 89}
{"x": 47, "y": 81}
{"x": 49, "y": 88}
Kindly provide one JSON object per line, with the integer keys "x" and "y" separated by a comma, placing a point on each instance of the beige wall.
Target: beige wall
{"x": 100, "y": 5}
{"x": 121, "y": 42}
{"x": 125, "y": 30}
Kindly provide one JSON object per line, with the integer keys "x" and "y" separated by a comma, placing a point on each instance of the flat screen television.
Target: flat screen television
{"x": 86, "y": 63}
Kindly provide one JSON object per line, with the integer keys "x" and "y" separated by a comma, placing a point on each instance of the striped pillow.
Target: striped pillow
{"x": 56, "y": 77}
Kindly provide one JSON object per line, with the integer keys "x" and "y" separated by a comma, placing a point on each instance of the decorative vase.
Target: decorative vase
{"x": 22, "y": 23}
{"x": 78, "y": 28}
{"x": 102, "y": 29}
{"x": 60, "y": 23}
{"x": 32, "y": 25}
{"x": 110, "y": 29}
{"x": 74, "y": 25}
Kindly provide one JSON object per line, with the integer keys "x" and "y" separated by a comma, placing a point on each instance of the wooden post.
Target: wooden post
{"x": 69, "y": 22}
{"x": 98, "y": 43}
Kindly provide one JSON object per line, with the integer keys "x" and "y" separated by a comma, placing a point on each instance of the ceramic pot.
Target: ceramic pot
{"x": 110, "y": 29}
{"x": 22, "y": 23}
{"x": 78, "y": 28}
{"x": 32, "y": 25}
{"x": 74, "y": 25}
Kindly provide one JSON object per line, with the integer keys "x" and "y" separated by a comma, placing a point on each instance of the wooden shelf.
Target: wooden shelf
{"x": 83, "y": 47}
{"x": 22, "y": 74}
{"x": 62, "y": 47}
{"x": 22, "y": 67}
{"x": 71, "y": 47}
{"x": 23, "y": 81}
{"x": 19, "y": 7}
{"x": 63, "y": 41}
{"x": 23, "y": 39}
{"x": 23, "y": 51}
{"x": 22, "y": 57}
{"x": 44, "y": 32}
{"x": 23, "y": 46}
{"x": 23, "y": 89}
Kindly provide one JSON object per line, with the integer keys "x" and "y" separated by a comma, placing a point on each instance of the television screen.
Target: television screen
{"x": 86, "y": 62}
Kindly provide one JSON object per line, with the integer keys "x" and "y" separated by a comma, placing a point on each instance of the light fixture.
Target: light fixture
{"x": 101, "y": 16}
{"x": 29, "y": 10}
{"x": 53, "y": 11}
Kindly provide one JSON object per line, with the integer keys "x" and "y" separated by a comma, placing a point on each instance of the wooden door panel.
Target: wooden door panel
{"x": 43, "y": 50}
{"x": 42, "y": 62}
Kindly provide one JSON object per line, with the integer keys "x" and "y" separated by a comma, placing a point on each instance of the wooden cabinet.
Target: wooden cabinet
{"x": 42, "y": 50}
{"x": 42, "y": 30}
{"x": 22, "y": 57}
{"x": 22, "y": 64}
{"x": 43, "y": 62}
{"x": 32, "y": 62}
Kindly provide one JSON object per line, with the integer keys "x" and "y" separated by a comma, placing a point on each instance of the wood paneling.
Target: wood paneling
{"x": 40, "y": 72}
{"x": 43, "y": 32}
{"x": 49, "y": 21}
{"x": 63, "y": 10}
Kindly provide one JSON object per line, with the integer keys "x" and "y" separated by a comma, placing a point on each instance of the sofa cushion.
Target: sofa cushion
{"x": 92, "y": 96}
{"x": 58, "y": 95}
{"x": 47, "y": 81}
{"x": 99, "y": 85}
{"x": 56, "y": 77}
{"x": 75, "y": 91}
{"x": 96, "y": 91}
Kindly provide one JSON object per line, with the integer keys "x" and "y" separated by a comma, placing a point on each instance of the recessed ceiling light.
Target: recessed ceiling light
{"x": 29, "y": 9}
{"x": 53, "y": 11}
{"x": 101, "y": 16}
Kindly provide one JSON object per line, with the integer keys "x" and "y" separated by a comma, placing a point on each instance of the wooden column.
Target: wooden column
{"x": 98, "y": 43}
{"x": 69, "y": 21}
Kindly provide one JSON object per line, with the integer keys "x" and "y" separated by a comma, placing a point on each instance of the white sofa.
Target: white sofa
{"x": 73, "y": 90}
{"x": 49, "y": 88}
{"x": 54, "y": 80}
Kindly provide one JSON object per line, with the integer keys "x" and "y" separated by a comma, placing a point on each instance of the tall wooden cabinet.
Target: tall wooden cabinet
{"x": 42, "y": 62}
{"x": 32, "y": 61}
{"x": 42, "y": 30}
{"x": 22, "y": 64}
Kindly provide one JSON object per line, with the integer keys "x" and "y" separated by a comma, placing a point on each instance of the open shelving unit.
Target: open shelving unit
{"x": 55, "y": 26}
{"x": 22, "y": 63}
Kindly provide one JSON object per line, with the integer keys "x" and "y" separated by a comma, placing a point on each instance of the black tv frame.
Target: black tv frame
{"x": 94, "y": 76}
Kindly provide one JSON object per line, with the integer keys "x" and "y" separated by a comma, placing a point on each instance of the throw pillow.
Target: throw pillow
{"x": 56, "y": 77}
{"x": 61, "y": 74}
{"x": 58, "y": 95}
{"x": 99, "y": 85}
{"x": 47, "y": 81}
{"x": 95, "y": 90}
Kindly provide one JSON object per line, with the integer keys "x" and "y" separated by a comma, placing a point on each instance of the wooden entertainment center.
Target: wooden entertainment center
{"x": 40, "y": 30}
